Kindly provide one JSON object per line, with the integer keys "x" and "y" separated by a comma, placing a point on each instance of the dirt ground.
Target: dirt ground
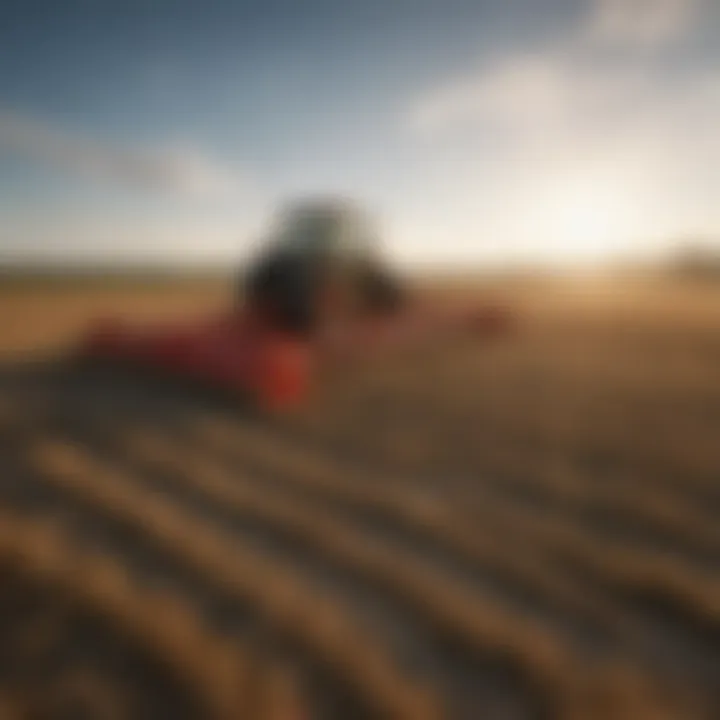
{"x": 527, "y": 529}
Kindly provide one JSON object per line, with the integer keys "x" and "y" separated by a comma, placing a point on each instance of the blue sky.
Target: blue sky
{"x": 478, "y": 131}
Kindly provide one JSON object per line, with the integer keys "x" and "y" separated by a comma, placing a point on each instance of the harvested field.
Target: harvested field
{"x": 517, "y": 531}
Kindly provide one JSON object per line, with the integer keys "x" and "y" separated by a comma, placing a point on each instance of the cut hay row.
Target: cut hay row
{"x": 632, "y": 497}
{"x": 609, "y": 560}
{"x": 76, "y": 691}
{"x": 417, "y": 511}
{"x": 531, "y": 397}
{"x": 629, "y": 690}
{"x": 543, "y": 659}
{"x": 534, "y": 463}
{"x": 171, "y": 631}
{"x": 661, "y": 455}
{"x": 643, "y": 569}
{"x": 681, "y": 461}
{"x": 11, "y": 706}
{"x": 280, "y": 594}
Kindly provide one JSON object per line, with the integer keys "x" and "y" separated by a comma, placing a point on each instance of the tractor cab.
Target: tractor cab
{"x": 322, "y": 260}
{"x": 334, "y": 230}
{"x": 316, "y": 299}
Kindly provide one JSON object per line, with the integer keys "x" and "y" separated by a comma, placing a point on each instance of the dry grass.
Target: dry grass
{"x": 493, "y": 532}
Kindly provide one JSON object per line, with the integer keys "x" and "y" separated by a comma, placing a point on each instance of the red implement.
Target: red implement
{"x": 233, "y": 352}
{"x": 244, "y": 354}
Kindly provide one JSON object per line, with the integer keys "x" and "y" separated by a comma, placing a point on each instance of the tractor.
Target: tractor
{"x": 318, "y": 295}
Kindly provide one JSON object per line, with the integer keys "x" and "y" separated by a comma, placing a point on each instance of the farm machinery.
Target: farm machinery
{"x": 317, "y": 298}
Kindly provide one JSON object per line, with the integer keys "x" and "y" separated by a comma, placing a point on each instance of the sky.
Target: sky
{"x": 475, "y": 131}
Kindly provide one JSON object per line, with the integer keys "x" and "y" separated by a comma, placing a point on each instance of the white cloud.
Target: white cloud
{"x": 583, "y": 154}
{"x": 540, "y": 89}
{"x": 519, "y": 92}
{"x": 554, "y": 97}
{"x": 181, "y": 170}
{"x": 641, "y": 22}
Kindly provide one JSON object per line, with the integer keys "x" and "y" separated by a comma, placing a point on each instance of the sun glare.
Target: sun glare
{"x": 584, "y": 221}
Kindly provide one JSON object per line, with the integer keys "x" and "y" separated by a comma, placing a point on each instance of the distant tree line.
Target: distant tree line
{"x": 697, "y": 261}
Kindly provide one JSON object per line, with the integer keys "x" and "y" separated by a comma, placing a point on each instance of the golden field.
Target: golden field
{"x": 522, "y": 529}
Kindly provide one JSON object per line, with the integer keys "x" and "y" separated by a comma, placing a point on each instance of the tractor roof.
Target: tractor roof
{"x": 326, "y": 226}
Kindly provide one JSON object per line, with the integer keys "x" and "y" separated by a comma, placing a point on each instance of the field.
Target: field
{"x": 522, "y": 530}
